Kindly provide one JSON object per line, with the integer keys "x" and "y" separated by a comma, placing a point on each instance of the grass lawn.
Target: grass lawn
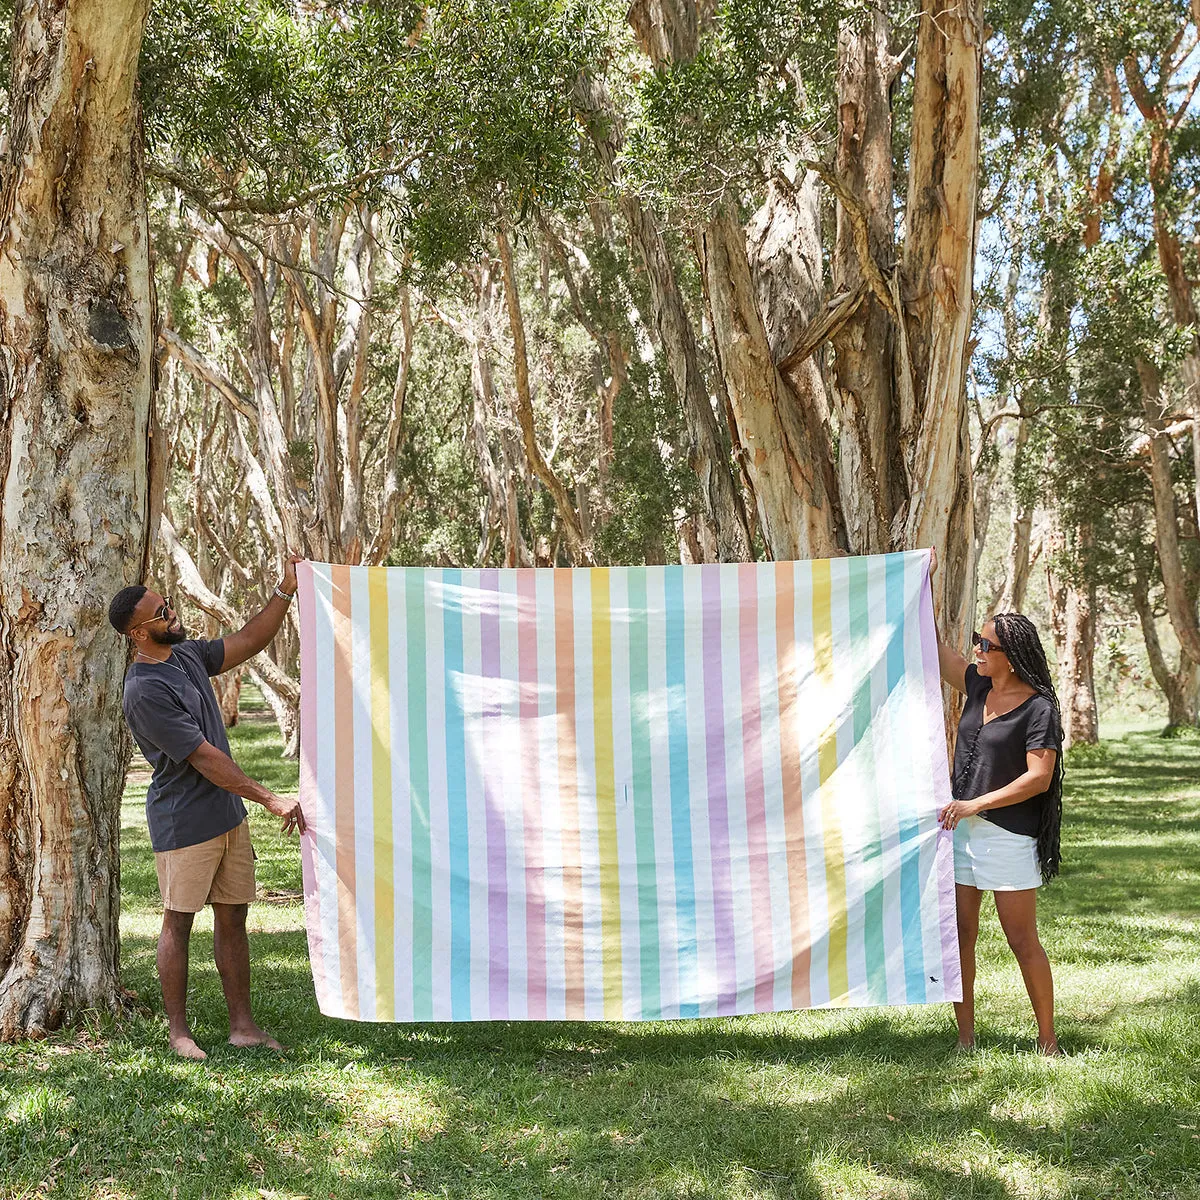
{"x": 861, "y": 1103}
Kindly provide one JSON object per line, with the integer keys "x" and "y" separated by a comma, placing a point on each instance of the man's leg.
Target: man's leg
{"x": 173, "y": 976}
{"x": 231, "y": 949}
{"x": 967, "y": 900}
{"x": 1018, "y": 918}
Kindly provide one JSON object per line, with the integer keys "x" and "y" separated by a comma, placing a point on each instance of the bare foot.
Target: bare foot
{"x": 961, "y": 1047}
{"x": 1049, "y": 1048}
{"x": 253, "y": 1036}
{"x": 185, "y": 1046}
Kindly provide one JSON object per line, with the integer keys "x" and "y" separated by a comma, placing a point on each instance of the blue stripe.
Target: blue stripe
{"x": 681, "y": 818}
{"x": 910, "y": 843}
{"x": 456, "y": 798}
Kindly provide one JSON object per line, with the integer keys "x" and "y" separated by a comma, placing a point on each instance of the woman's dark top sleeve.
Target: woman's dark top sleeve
{"x": 989, "y": 757}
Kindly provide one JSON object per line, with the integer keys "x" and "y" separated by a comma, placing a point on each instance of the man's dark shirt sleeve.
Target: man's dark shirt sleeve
{"x": 212, "y": 654}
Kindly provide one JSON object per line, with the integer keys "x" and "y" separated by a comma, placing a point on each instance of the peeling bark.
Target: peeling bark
{"x": 76, "y": 363}
{"x": 1179, "y": 685}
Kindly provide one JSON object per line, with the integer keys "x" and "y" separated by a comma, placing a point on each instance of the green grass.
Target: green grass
{"x": 819, "y": 1104}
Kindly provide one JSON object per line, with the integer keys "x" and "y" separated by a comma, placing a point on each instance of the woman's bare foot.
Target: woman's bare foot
{"x": 1049, "y": 1047}
{"x": 251, "y": 1035}
{"x": 961, "y": 1047}
{"x": 185, "y": 1046}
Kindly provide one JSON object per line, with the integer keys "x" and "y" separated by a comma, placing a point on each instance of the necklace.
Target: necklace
{"x": 166, "y": 662}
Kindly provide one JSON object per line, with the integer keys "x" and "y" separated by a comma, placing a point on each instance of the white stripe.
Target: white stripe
{"x": 325, "y": 823}
{"x": 363, "y": 799}
{"x": 547, "y": 733}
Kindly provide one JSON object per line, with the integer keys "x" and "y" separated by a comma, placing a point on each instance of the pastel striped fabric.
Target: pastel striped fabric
{"x": 624, "y": 793}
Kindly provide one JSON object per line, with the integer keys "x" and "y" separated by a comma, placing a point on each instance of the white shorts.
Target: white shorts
{"x": 993, "y": 859}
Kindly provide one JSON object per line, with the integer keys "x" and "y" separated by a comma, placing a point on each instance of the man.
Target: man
{"x": 198, "y": 824}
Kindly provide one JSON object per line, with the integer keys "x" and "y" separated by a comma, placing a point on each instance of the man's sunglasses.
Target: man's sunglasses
{"x": 985, "y": 644}
{"x": 160, "y": 615}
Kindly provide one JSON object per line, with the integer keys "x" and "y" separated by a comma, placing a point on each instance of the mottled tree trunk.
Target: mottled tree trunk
{"x": 75, "y": 395}
{"x": 934, "y": 344}
{"x": 1179, "y": 686}
{"x": 1016, "y": 573}
{"x": 1073, "y": 624}
{"x": 869, "y": 469}
{"x": 783, "y": 448}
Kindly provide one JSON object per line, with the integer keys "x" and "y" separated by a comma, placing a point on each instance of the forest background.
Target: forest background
{"x": 563, "y": 282}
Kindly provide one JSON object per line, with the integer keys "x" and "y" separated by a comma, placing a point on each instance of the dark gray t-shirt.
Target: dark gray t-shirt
{"x": 171, "y": 709}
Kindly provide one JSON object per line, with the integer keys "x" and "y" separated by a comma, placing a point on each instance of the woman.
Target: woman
{"x": 1007, "y": 803}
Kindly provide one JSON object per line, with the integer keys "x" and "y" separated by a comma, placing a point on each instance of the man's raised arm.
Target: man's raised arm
{"x": 257, "y": 632}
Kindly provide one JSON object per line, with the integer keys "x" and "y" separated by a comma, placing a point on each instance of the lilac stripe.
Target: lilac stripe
{"x": 497, "y": 850}
{"x": 718, "y": 800}
{"x": 951, "y": 968}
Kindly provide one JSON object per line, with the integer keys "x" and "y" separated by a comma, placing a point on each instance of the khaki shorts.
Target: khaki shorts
{"x": 219, "y": 871}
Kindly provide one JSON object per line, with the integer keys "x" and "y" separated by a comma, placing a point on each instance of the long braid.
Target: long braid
{"x": 1020, "y": 642}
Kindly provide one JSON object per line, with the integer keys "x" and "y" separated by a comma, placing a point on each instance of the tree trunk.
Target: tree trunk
{"x": 580, "y": 552}
{"x": 783, "y": 450}
{"x": 938, "y": 268}
{"x": 1016, "y": 574}
{"x": 871, "y": 475}
{"x": 75, "y": 396}
{"x": 1178, "y": 686}
{"x": 1073, "y": 623}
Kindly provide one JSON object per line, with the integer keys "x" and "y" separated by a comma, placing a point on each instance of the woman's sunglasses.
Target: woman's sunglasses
{"x": 985, "y": 644}
{"x": 160, "y": 615}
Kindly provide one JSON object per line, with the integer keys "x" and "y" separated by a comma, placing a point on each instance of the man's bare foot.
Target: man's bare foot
{"x": 1049, "y": 1047}
{"x": 253, "y": 1036}
{"x": 185, "y": 1046}
{"x": 961, "y": 1047}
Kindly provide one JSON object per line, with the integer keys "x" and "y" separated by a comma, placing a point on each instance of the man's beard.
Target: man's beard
{"x": 169, "y": 637}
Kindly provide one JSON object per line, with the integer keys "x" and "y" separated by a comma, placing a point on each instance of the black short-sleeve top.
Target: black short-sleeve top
{"x": 171, "y": 710}
{"x": 999, "y": 756}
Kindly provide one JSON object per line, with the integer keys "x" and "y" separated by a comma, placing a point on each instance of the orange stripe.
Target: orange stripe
{"x": 793, "y": 796}
{"x": 564, "y": 669}
{"x": 343, "y": 738}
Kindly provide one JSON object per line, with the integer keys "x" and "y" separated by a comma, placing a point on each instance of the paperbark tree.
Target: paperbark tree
{"x": 75, "y": 402}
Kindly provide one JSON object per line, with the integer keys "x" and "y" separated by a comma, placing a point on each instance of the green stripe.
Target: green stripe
{"x": 643, "y": 807}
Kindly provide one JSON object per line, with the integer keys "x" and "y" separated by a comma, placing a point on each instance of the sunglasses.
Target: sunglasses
{"x": 985, "y": 644}
{"x": 160, "y": 615}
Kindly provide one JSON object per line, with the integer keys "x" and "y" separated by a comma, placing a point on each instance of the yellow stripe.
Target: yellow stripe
{"x": 606, "y": 793}
{"x": 827, "y": 762}
{"x": 381, "y": 790}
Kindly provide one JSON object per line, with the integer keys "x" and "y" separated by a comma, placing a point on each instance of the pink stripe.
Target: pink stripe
{"x": 535, "y": 893}
{"x": 718, "y": 796}
{"x": 308, "y": 776}
{"x": 944, "y": 851}
{"x": 497, "y": 844}
{"x": 756, "y": 803}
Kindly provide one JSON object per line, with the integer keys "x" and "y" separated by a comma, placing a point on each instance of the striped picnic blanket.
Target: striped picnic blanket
{"x": 624, "y": 793}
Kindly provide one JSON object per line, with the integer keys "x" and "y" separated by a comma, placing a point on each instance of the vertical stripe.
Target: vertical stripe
{"x": 572, "y": 881}
{"x": 310, "y": 797}
{"x": 681, "y": 827}
{"x": 718, "y": 810}
{"x": 456, "y": 798}
{"x": 752, "y": 761}
{"x": 790, "y": 740}
{"x": 872, "y": 857}
{"x": 827, "y": 760}
{"x": 344, "y": 781}
{"x": 497, "y": 850}
{"x": 910, "y": 844}
{"x": 643, "y": 805}
{"x": 531, "y": 756}
{"x": 381, "y": 795}
{"x": 606, "y": 793}
{"x": 939, "y": 766}
{"x": 419, "y": 794}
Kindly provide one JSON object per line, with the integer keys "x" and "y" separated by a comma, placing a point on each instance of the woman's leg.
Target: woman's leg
{"x": 967, "y": 899}
{"x": 1018, "y": 918}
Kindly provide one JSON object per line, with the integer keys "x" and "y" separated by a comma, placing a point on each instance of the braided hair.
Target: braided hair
{"x": 1020, "y": 642}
